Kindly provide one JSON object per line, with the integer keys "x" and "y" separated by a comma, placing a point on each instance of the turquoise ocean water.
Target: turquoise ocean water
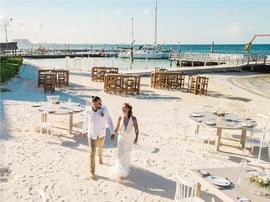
{"x": 202, "y": 48}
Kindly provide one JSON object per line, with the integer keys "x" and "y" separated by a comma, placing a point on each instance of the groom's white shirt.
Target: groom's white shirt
{"x": 95, "y": 123}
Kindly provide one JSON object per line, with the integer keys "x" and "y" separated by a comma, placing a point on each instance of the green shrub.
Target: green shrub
{"x": 9, "y": 66}
{"x": 15, "y": 60}
{"x": 11, "y": 59}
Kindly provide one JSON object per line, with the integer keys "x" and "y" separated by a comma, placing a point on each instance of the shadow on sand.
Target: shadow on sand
{"x": 229, "y": 97}
{"x": 148, "y": 182}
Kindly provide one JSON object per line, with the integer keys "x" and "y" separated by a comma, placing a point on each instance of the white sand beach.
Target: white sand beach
{"x": 56, "y": 167}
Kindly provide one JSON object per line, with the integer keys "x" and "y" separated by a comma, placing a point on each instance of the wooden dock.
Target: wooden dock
{"x": 225, "y": 63}
{"x": 215, "y": 62}
{"x": 69, "y": 53}
{"x": 207, "y": 59}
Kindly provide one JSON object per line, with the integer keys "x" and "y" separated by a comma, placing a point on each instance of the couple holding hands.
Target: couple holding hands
{"x": 94, "y": 128}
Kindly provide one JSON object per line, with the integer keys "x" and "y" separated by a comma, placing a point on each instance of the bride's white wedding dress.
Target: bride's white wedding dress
{"x": 125, "y": 142}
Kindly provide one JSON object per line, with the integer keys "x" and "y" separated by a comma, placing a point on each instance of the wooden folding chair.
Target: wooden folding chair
{"x": 202, "y": 85}
{"x": 50, "y": 81}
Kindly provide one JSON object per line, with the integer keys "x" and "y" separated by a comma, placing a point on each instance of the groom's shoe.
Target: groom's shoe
{"x": 92, "y": 176}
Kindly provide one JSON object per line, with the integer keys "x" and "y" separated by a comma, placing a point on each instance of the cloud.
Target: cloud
{"x": 227, "y": 12}
{"x": 235, "y": 11}
{"x": 148, "y": 13}
{"x": 117, "y": 12}
{"x": 32, "y": 26}
{"x": 234, "y": 31}
{"x": 102, "y": 16}
{"x": 22, "y": 28}
{"x": 230, "y": 33}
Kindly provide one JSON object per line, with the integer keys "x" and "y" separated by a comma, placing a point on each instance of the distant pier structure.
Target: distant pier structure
{"x": 47, "y": 53}
{"x": 229, "y": 61}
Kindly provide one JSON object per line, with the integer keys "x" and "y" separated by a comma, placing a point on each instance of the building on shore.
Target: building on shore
{"x": 10, "y": 47}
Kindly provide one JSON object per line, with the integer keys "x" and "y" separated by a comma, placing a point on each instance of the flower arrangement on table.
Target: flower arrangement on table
{"x": 263, "y": 181}
{"x": 56, "y": 102}
{"x": 220, "y": 113}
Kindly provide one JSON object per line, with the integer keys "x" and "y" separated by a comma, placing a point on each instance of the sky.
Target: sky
{"x": 110, "y": 21}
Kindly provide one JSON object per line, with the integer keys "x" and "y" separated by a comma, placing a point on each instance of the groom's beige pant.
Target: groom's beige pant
{"x": 99, "y": 142}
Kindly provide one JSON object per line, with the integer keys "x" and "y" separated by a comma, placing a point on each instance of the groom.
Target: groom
{"x": 95, "y": 121}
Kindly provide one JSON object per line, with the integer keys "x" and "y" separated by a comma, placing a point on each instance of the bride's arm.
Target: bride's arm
{"x": 116, "y": 129}
{"x": 136, "y": 128}
{"x": 117, "y": 125}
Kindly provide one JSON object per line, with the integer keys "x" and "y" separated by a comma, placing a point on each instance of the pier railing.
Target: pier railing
{"x": 258, "y": 59}
{"x": 232, "y": 59}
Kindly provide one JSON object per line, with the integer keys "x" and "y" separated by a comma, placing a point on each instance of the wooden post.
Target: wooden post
{"x": 218, "y": 138}
{"x": 70, "y": 122}
{"x": 243, "y": 137}
{"x": 198, "y": 189}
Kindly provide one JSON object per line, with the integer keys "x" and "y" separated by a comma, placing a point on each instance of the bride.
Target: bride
{"x": 127, "y": 128}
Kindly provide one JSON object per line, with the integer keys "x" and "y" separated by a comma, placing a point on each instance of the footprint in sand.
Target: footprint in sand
{"x": 53, "y": 186}
{"x": 31, "y": 190}
{"x": 150, "y": 162}
{"x": 4, "y": 173}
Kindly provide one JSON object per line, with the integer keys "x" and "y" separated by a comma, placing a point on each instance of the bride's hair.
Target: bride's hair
{"x": 130, "y": 109}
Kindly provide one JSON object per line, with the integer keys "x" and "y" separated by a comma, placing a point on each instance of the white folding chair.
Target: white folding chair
{"x": 258, "y": 135}
{"x": 200, "y": 134}
{"x": 43, "y": 124}
{"x": 78, "y": 122}
{"x": 185, "y": 192}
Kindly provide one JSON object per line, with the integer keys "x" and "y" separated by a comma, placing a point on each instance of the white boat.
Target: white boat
{"x": 147, "y": 51}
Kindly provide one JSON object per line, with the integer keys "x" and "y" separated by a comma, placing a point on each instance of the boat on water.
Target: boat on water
{"x": 147, "y": 51}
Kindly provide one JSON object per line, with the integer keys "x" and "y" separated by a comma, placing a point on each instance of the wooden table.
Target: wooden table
{"x": 229, "y": 194}
{"x": 61, "y": 77}
{"x": 197, "y": 85}
{"x": 228, "y": 121}
{"x": 167, "y": 80}
{"x": 128, "y": 84}
{"x": 63, "y": 108}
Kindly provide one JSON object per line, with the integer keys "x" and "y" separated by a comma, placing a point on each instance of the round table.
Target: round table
{"x": 60, "y": 108}
{"x": 224, "y": 120}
